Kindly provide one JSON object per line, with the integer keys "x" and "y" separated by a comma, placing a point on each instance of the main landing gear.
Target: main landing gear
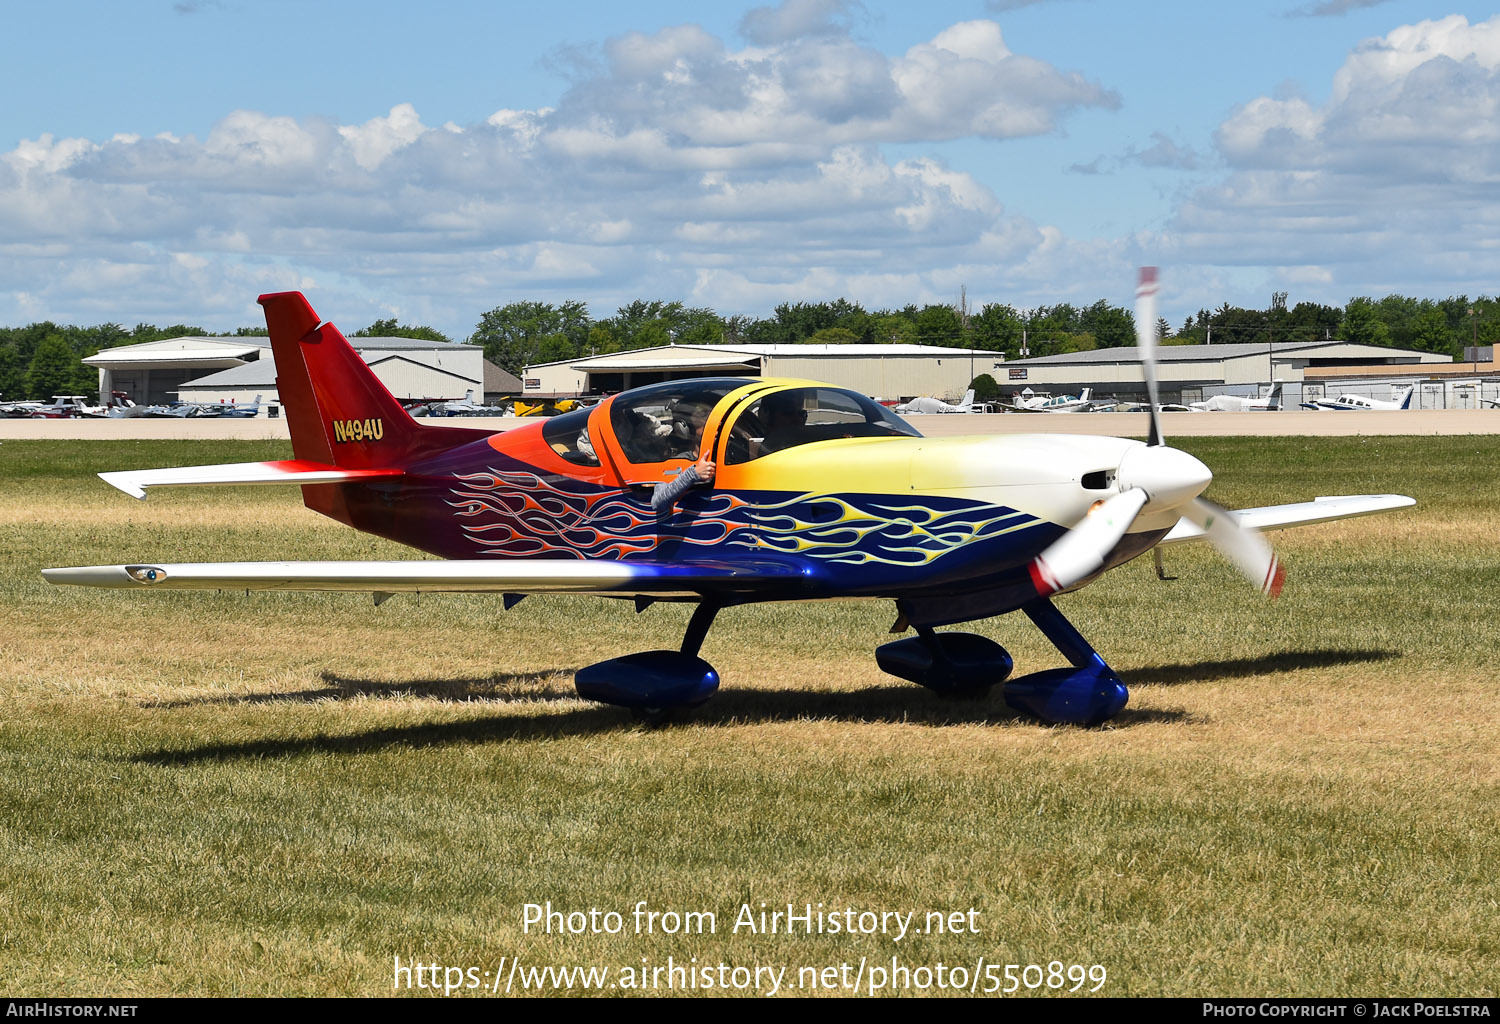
{"x": 654, "y": 683}
{"x": 967, "y": 665}
{"x": 963, "y": 665}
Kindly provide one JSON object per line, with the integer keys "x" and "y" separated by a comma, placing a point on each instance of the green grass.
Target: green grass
{"x": 276, "y": 794}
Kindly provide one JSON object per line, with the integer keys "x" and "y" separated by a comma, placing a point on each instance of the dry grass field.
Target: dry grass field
{"x": 270, "y": 794}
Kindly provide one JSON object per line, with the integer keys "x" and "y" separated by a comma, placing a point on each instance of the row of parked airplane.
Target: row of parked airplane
{"x": 466, "y": 406}
{"x": 1084, "y": 402}
{"x": 119, "y": 406}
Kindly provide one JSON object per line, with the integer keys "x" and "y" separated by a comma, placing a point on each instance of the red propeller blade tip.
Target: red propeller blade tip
{"x": 1275, "y": 579}
{"x": 1041, "y": 578}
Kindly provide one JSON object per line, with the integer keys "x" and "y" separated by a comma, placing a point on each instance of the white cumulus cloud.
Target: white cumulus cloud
{"x": 1393, "y": 179}
{"x": 673, "y": 162}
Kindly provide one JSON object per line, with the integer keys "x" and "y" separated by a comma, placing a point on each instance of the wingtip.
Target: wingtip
{"x": 124, "y": 480}
{"x": 88, "y": 576}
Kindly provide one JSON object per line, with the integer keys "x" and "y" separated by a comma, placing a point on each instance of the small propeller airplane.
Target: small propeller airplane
{"x": 66, "y": 407}
{"x": 465, "y": 406}
{"x": 1238, "y": 403}
{"x": 1359, "y": 403}
{"x": 819, "y": 493}
{"x": 1062, "y": 403}
{"x": 927, "y": 406}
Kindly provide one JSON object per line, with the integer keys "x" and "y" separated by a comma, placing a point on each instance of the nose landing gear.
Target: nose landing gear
{"x": 967, "y": 665}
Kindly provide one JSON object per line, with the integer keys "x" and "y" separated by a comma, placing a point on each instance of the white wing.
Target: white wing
{"x": 533, "y": 575}
{"x": 1303, "y": 513}
{"x": 288, "y": 471}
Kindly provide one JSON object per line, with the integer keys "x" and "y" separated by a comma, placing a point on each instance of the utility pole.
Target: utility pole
{"x": 963, "y": 323}
{"x": 1474, "y": 321}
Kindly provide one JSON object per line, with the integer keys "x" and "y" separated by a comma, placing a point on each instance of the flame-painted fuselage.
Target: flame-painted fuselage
{"x": 862, "y": 517}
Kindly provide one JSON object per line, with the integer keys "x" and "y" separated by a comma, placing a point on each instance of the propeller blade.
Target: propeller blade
{"x": 1243, "y": 546}
{"x": 1145, "y": 338}
{"x": 1081, "y": 551}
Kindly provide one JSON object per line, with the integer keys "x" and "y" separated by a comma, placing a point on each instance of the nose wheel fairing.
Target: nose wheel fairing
{"x": 967, "y": 665}
{"x": 1087, "y": 694}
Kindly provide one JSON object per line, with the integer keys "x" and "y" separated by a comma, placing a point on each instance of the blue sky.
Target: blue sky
{"x": 166, "y": 162}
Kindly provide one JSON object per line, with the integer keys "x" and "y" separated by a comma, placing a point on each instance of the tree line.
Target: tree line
{"x": 525, "y": 333}
{"x": 44, "y": 359}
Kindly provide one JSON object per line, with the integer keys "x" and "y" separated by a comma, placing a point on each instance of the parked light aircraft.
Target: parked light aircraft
{"x": 1359, "y": 403}
{"x": 1061, "y": 403}
{"x": 65, "y": 407}
{"x": 211, "y": 410}
{"x": 20, "y": 409}
{"x": 1167, "y": 407}
{"x": 465, "y": 406}
{"x": 233, "y": 410}
{"x": 176, "y": 410}
{"x": 120, "y": 407}
{"x": 1238, "y": 403}
{"x": 926, "y": 406}
{"x": 819, "y": 493}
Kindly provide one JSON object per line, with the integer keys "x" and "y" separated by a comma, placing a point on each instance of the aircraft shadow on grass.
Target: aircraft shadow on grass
{"x": 877, "y": 704}
{"x": 1240, "y": 668}
{"x": 517, "y": 686}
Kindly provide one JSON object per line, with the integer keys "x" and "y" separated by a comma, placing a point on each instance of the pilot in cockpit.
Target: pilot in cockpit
{"x": 784, "y": 419}
{"x": 688, "y": 420}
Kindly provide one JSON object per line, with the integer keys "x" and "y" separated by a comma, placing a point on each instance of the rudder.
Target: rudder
{"x": 337, "y": 410}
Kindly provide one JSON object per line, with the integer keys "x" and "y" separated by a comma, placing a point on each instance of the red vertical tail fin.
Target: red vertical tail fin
{"x": 337, "y": 410}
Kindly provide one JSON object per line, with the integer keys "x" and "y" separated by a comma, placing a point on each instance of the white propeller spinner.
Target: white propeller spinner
{"x": 1153, "y": 478}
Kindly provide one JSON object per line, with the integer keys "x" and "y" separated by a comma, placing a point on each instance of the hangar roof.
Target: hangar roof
{"x": 497, "y": 379}
{"x": 259, "y": 374}
{"x": 1209, "y": 353}
{"x": 711, "y": 356}
{"x": 262, "y": 373}
{"x": 637, "y": 361}
{"x": 194, "y": 349}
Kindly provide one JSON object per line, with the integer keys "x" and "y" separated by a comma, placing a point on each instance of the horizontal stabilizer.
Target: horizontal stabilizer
{"x": 287, "y": 471}
{"x": 532, "y": 575}
{"x": 1303, "y": 513}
